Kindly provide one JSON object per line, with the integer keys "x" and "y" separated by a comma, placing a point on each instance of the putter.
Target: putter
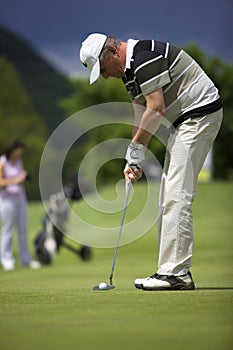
{"x": 111, "y": 286}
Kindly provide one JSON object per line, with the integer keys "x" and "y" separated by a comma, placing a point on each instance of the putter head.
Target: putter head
{"x": 106, "y": 287}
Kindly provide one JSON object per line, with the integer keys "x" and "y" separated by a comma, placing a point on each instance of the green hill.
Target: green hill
{"x": 43, "y": 84}
{"x": 20, "y": 121}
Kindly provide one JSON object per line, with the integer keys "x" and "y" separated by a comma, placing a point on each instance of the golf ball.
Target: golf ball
{"x": 102, "y": 285}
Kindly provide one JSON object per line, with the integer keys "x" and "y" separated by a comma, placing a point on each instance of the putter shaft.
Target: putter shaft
{"x": 120, "y": 231}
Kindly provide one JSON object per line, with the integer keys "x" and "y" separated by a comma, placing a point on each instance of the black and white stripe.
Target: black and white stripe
{"x": 156, "y": 65}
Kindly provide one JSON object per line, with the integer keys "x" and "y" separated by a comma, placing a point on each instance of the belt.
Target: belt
{"x": 199, "y": 112}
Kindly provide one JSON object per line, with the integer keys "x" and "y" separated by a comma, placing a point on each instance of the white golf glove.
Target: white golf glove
{"x": 135, "y": 154}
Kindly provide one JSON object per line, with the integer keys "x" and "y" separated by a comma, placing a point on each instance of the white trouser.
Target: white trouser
{"x": 13, "y": 212}
{"x": 186, "y": 152}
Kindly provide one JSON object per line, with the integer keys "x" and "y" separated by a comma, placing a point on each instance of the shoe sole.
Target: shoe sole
{"x": 139, "y": 286}
{"x": 175, "y": 287}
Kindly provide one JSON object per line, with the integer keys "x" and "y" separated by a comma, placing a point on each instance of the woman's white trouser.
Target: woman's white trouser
{"x": 13, "y": 212}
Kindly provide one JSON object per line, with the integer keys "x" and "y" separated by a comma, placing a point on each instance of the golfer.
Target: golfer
{"x": 13, "y": 207}
{"x": 164, "y": 83}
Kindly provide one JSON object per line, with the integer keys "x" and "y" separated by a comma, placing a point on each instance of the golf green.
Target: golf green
{"x": 56, "y": 308}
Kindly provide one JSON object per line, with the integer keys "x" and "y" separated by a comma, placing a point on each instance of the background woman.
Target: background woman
{"x": 13, "y": 207}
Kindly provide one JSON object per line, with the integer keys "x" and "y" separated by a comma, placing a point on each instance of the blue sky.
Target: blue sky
{"x": 57, "y": 28}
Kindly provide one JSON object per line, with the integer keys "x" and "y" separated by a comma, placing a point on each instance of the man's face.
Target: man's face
{"x": 111, "y": 66}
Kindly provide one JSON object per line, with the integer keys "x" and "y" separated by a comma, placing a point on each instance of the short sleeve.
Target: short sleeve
{"x": 151, "y": 71}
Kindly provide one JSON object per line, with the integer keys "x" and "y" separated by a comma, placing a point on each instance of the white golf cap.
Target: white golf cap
{"x": 89, "y": 54}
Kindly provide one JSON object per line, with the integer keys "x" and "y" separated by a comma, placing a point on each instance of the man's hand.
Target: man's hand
{"x": 132, "y": 173}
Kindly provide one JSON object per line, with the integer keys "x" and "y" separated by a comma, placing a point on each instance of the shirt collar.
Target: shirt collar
{"x": 129, "y": 51}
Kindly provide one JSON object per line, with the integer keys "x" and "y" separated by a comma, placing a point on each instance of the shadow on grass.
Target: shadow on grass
{"x": 214, "y": 288}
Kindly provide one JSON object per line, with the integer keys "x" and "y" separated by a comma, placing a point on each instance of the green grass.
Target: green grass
{"x": 55, "y": 307}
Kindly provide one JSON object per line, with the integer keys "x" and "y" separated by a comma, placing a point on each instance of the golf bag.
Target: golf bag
{"x": 50, "y": 240}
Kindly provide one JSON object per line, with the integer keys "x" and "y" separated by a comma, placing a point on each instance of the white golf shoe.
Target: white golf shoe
{"x": 8, "y": 267}
{"x": 35, "y": 265}
{"x": 165, "y": 282}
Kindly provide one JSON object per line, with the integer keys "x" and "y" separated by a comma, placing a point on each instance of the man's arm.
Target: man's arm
{"x": 146, "y": 124}
{"x": 151, "y": 118}
{"x": 139, "y": 109}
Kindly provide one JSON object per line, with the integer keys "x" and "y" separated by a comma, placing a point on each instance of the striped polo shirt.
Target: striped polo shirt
{"x": 188, "y": 91}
